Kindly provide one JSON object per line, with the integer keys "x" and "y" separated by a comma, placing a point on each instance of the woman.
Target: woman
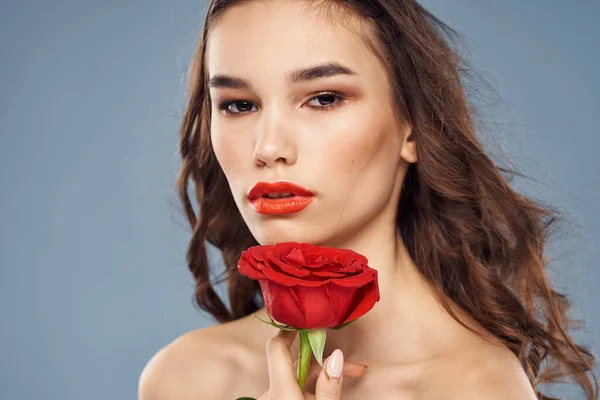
{"x": 360, "y": 104}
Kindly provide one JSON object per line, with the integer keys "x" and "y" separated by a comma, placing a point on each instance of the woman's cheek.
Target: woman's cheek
{"x": 228, "y": 152}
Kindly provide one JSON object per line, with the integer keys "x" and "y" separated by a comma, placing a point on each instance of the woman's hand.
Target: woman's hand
{"x": 282, "y": 372}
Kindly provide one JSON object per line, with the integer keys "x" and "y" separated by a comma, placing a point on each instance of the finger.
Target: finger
{"x": 330, "y": 379}
{"x": 351, "y": 368}
{"x": 279, "y": 359}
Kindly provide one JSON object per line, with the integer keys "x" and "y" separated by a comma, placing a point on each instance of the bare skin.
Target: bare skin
{"x": 416, "y": 351}
{"x": 354, "y": 158}
{"x": 228, "y": 361}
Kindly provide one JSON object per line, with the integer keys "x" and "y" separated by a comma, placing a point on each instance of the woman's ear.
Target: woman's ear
{"x": 408, "y": 150}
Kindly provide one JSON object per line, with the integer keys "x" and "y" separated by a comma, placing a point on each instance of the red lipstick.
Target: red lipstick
{"x": 290, "y": 197}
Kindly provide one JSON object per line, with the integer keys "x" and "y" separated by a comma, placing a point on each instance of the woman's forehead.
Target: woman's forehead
{"x": 284, "y": 35}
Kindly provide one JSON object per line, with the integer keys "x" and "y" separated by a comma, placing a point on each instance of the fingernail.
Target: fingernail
{"x": 335, "y": 364}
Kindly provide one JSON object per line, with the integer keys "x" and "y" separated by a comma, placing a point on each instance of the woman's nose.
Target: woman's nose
{"x": 274, "y": 143}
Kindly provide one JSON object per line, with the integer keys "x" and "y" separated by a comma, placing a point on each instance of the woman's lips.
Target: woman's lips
{"x": 265, "y": 205}
{"x": 263, "y": 188}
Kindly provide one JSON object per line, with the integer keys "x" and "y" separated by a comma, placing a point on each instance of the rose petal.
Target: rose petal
{"x": 327, "y": 274}
{"x": 354, "y": 281}
{"x": 280, "y": 303}
{"x": 365, "y": 300}
{"x": 289, "y": 269}
{"x": 258, "y": 253}
{"x": 342, "y": 299}
{"x": 334, "y": 305}
{"x": 296, "y": 258}
{"x": 319, "y": 260}
{"x": 297, "y": 300}
{"x": 280, "y": 278}
{"x": 247, "y": 269}
{"x": 317, "y": 307}
{"x": 287, "y": 280}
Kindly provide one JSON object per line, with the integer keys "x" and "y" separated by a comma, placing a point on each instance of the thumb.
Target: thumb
{"x": 329, "y": 382}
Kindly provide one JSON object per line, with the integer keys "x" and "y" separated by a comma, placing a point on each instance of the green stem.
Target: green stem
{"x": 304, "y": 360}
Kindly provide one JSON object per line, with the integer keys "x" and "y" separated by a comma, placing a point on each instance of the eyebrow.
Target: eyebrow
{"x": 295, "y": 76}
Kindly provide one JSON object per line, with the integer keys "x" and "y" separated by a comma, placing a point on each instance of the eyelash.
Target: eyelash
{"x": 224, "y": 106}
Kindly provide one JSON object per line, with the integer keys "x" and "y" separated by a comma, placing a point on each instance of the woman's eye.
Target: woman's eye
{"x": 243, "y": 107}
{"x": 326, "y": 100}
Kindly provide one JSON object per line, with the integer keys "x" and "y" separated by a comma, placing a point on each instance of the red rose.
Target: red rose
{"x": 307, "y": 286}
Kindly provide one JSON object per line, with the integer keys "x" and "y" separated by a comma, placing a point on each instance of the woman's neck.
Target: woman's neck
{"x": 407, "y": 325}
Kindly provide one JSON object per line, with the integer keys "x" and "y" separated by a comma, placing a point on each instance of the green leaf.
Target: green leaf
{"x": 343, "y": 325}
{"x": 275, "y": 324}
{"x": 317, "y": 337}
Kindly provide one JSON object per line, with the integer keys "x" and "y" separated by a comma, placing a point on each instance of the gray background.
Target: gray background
{"x": 93, "y": 278}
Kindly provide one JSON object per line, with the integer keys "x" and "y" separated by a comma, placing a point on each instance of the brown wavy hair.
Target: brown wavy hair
{"x": 477, "y": 240}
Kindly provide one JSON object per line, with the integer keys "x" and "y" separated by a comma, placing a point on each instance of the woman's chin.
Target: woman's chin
{"x": 272, "y": 237}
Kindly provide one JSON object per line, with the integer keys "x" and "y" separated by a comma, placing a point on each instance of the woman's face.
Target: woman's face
{"x": 335, "y": 135}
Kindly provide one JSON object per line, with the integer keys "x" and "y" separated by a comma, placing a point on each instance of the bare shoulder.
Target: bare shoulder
{"x": 199, "y": 364}
{"x": 496, "y": 374}
{"x": 485, "y": 371}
